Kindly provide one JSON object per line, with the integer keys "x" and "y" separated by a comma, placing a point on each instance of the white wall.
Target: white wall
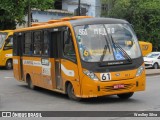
{"x": 44, "y": 16}
{"x": 93, "y": 6}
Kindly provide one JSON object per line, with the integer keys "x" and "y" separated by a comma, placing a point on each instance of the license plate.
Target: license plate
{"x": 118, "y": 86}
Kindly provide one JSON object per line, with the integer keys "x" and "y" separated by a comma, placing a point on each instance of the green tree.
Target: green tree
{"x": 12, "y": 12}
{"x": 143, "y": 14}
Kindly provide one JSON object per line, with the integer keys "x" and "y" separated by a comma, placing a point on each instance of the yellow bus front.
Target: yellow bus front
{"x": 6, "y": 44}
{"x": 111, "y": 59}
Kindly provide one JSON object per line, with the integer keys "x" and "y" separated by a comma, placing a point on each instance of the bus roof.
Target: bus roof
{"x": 7, "y": 31}
{"x": 97, "y": 21}
{"x": 74, "y": 21}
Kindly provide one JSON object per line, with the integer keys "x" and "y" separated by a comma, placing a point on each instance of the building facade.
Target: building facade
{"x": 93, "y": 7}
{"x": 64, "y": 8}
{"x": 44, "y": 16}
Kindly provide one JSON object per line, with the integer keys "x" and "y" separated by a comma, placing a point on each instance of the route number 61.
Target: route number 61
{"x": 105, "y": 76}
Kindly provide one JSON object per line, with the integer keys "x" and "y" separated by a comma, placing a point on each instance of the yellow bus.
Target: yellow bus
{"x": 6, "y": 46}
{"x": 146, "y": 47}
{"x": 57, "y": 56}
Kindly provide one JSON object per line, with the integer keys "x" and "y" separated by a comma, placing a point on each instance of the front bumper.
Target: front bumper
{"x": 97, "y": 88}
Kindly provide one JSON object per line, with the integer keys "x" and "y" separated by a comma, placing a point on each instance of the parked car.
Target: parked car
{"x": 152, "y": 60}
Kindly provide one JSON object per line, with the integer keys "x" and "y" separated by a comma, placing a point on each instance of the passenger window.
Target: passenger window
{"x": 27, "y": 44}
{"x": 68, "y": 46}
{"x": 45, "y": 49}
{"x": 37, "y": 43}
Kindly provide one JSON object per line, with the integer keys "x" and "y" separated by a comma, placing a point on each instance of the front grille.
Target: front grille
{"x": 111, "y": 88}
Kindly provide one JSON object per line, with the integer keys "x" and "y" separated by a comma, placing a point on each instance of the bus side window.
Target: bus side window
{"x": 27, "y": 44}
{"x": 37, "y": 43}
{"x": 9, "y": 43}
{"x": 68, "y": 46}
{"x": 45, "y": 48}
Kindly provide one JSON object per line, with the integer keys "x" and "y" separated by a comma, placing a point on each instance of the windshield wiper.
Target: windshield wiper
{"x": 105, "y": 50}
{"x": 121, "y": 49}
{"x": 104, "y": 53}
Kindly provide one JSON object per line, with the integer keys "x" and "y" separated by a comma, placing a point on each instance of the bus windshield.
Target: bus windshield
{"x": 99, "y": 42}
{"x": 2, "y": 39}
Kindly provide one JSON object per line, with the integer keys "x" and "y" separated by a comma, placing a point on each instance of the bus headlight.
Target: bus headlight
{"x": 140, "y": 70}
{"x": 91, "y": 75}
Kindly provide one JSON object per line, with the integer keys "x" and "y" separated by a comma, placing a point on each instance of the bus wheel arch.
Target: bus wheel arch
{"x": 125, "y": 95}
{"x": 9, "y": 64}
{"x": 29, "y": 82}
{"x": 70, "y": 91}
{"x": 66, "y": 84}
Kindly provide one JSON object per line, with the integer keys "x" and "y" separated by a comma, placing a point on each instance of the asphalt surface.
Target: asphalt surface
{"x": 150, "y": 72}
{"x": 15, "y": 96}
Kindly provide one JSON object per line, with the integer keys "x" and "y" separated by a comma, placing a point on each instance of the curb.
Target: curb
{"x": 153, "y": 74}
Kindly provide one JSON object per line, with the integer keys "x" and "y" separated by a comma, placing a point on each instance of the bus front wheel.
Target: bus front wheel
{"x": 125, "y": 95}
{"x": 70, "y": 92}
{"x": 9, "y": 64}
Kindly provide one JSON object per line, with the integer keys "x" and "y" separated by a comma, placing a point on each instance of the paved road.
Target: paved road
{"x": 15, "y": 96}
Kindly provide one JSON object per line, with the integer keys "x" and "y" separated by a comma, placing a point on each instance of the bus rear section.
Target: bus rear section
{"x": 6, "y": 46}
{"x": 83, "y": 58}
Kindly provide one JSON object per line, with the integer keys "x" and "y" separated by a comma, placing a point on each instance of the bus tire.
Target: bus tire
{"x": 155, "y": 66}
{"x": 30, "y": 83}
{"x": 125, "y": 95}
{"x": 9, "y": 64}
{"x": 70, "y": 92}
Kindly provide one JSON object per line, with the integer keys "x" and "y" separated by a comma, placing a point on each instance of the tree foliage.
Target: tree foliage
{"x": 143, "y": 14}
{"x": 12, "y": 12}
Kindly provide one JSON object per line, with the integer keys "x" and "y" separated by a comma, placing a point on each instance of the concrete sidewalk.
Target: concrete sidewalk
{"x": 150, "y": 72}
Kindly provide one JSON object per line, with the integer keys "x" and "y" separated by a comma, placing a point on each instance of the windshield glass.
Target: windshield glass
{"x": 2, "y": 39}
{"x": 99, "y": 40}
{"x": 152, "y": 55}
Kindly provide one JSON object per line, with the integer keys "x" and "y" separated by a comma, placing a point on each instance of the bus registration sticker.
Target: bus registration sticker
{"x": 118, "y": 86}
{"x": 105, "y": 76}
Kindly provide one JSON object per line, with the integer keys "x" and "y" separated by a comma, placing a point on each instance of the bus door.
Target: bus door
{"x": 17, "y": 52}
{"x": 69, "y": 64}
{"x": 66, "y": 68}
{"x": 20, "y": 42}
{"x": 55, "y": 53}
